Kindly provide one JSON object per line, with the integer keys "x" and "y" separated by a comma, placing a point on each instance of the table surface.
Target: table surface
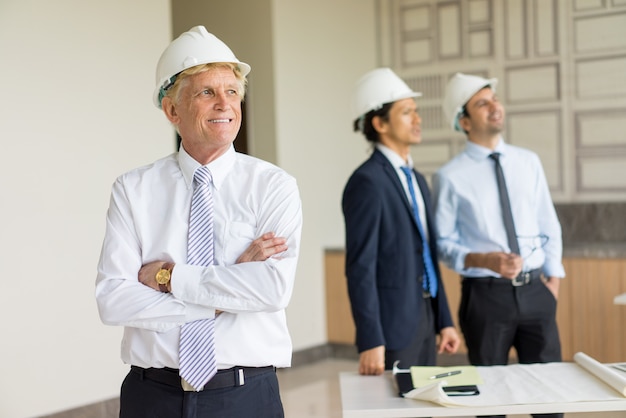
{"x": 375, "y": 396}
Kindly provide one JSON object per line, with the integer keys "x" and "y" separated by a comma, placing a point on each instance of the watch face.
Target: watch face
{"x": 163, "y": 276}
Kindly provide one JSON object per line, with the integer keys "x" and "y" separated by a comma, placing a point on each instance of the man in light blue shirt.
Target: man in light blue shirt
{"x": 510, "y": 286}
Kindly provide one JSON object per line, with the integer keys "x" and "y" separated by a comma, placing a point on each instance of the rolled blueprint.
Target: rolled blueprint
{"x": 605, "y": 373}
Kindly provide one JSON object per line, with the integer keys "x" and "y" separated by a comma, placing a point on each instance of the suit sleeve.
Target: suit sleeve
{"x": 362, "y": 210}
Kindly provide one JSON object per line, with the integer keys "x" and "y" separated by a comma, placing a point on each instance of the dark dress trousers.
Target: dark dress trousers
{"x": 384, "y": 264}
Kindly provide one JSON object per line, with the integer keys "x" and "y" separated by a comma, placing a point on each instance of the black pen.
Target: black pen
{"x": 446, "y": 374}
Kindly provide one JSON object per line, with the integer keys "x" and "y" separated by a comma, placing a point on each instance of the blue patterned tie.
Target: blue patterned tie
{"x": 430, "y": 281}
{"x": 197, "y": 346}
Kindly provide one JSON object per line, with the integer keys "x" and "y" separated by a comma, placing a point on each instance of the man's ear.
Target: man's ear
{"x": 167, "y": 104}
{"x": 464, "y": 123}
{"x": 379, "y": 124}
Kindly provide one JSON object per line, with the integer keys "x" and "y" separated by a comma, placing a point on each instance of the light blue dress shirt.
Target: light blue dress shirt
{"x": 469, "y": 217}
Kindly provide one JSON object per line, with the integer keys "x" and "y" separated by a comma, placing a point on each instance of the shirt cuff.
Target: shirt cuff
{"x": 553, "y": 270}
{"x": 184, "y": 283}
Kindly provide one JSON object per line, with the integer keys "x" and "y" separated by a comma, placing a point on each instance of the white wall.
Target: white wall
{"x": 321, "y": 49}
{"x": 76, "y": 111}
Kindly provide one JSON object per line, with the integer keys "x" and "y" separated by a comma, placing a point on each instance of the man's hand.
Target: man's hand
{"x": 147, "y": 274}
{"x": 507, "y": 265}
{"x": 553, "y": 283}
{"x": 263, "y": 248}
{"x": 372, "y": 361}
{"x": 449, "y": 341}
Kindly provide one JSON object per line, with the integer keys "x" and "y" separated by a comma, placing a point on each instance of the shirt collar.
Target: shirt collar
{"x": 393, "y": 157}
{"x": 479, "y": 152}
{"x": 219, "y": 168}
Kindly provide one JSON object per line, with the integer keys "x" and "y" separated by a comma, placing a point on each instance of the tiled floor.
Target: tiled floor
{"x": 312, "y": 391}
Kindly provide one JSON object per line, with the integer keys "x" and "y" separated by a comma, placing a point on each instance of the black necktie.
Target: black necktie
{"x": 507, "y": 216}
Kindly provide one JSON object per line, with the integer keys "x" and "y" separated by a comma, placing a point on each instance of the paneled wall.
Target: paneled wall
{"x": 561, "y": 66}
{"x": 588, "y": 319}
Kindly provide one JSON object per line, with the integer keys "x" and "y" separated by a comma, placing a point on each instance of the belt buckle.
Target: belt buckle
{"x": 186, "y": 386}
{"x": 521, "y": 279}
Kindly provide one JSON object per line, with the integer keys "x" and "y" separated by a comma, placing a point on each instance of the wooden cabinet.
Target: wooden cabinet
{"x": 588, "y": 319}
{"x": 339, "y": 324}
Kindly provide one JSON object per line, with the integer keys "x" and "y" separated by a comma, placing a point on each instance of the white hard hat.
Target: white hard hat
{"x": 459, "y": 90}
{"x": 191, "y": 48}
{"x": 378, "y": 87}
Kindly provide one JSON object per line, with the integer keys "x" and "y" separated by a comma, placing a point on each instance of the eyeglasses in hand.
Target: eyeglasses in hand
{"x": 528, "y": 244}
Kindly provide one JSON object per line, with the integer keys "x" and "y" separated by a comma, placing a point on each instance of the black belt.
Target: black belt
{"x": 235, "y": 376}
{"x": 522, "y": 279}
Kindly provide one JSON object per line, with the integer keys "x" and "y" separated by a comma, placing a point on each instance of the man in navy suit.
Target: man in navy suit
{"x": 397, "y": 297}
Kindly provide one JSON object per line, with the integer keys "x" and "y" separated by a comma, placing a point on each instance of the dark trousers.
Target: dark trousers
{"x": 494, "y": 316}
{"x": 144, "y": 398}
{"x": 422, "y": 351}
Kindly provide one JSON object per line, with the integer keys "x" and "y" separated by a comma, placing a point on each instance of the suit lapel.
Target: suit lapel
{"x": 421, "y": 182}
{"x": 392, "y": 176}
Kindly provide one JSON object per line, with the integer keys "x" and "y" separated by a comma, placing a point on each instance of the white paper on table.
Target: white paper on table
{"x": 432, "y": 393}
{"x": 535, "y": 384}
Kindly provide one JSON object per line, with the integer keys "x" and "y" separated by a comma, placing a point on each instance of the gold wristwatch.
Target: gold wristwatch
{"x": 164, "y": 276}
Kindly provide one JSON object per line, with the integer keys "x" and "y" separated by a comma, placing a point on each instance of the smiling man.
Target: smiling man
{"x": 199, "y": 258}
{"x": 396, "y": 294}
{"x": 498, "y": 229}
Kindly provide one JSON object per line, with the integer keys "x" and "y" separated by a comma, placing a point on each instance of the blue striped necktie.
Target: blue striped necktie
{"x": 197, "y": 346}
{"x": 430, "y": 281}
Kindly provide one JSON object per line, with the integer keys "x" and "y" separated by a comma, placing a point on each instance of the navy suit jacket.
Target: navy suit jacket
{"x": 384, "y": 262}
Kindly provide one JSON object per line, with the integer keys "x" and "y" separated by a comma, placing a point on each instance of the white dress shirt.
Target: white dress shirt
{"x": 397, "y": 162}
{"x": 148, "y": 220}
{"x": 469, "y": 216}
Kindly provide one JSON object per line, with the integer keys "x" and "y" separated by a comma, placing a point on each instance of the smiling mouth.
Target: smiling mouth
{"x": 219, "y": 121}
{"x": 496, "y": 116}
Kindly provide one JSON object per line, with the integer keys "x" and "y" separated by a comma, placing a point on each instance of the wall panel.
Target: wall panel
{"x": 541, "y": 132}
{"x": 563, "y": 57}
